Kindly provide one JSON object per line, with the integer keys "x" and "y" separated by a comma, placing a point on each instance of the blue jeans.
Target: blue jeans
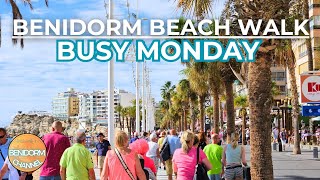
{"x": 214, "y": 176}
{"x": 50, "y": 178}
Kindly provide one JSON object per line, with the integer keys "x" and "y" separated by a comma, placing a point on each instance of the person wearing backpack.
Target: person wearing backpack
{"x": 283, "y": 138}
{"x": 174, "y": 143}
{"x": 185, "y": 159}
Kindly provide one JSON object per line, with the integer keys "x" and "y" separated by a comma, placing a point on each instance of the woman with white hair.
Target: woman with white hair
{"x": 153, "y": 152}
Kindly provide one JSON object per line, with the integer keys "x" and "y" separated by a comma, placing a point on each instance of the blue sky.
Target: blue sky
{"x": 30, "y": 77}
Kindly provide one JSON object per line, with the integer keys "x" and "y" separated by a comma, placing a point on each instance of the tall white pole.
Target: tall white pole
{"x": 137, "y": 99}
{"x": 111, "y": 123}
{"x": 143, "y": 98}
{"x": 137, "y": 90}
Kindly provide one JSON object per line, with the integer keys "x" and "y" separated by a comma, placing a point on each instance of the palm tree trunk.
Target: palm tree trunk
{"x": 127, "y": 122}
{"x": 229, "y": 108}
{"x": 260, "y": 106}
{"x": 216, "y": 111}
{"x": 295, "y": 102}
{"x": 308, "y": 41}
{"x": 244, "y": 121}
{"x": 185, "y": 120}
{"x": 180, "y": 122}
{"x": 192, "y": 117}
{"x": 120, "y": 121}
{"x": 130, "y": 126}
{"x": 221, "y": 115}
{"x": 201, "y": 109}
{"x": 170, "y": 122}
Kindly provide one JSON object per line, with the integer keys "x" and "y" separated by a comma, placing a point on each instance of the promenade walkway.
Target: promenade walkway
{"x": 285, "y": 165}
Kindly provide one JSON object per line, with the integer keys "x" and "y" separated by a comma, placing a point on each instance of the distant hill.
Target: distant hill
{"x": 40, "y": 125}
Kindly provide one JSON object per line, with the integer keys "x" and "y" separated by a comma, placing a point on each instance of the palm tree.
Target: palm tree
{"x": 17, "y": 15}
{"x": 215, "y": 85}
{"x": 228, "y": 78}
{"x": 198, "y": 78}
{"x": 184, "y": 89}
{"x": 196, "y": 8}
{"x": 241, "y": 102}
{"x": 118, "y": 109}
{"x": 259, "y": 83}
{"x": 132, "y": 117}
{"x": 284, "y": 54}
{"x": 125, "y": 115}
{"x": 166, "y": 93}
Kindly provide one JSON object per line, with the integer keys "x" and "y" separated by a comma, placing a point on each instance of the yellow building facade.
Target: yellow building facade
{"x": 73, "y": 106}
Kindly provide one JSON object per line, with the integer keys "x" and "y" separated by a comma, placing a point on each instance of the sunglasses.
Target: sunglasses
{"x": 2, "y": 136}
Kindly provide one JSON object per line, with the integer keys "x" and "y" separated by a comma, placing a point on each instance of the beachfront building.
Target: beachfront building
{"x": 93, "y": 107}
{"x": 300, "y": 47}
{"x": 65, "y": 104}
{"x": 279, "y": 77}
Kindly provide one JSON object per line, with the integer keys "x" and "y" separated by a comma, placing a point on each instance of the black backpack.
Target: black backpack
{"x": 165, "y": 151}
{"x": 146, "y": 172}
{"x": 201, "y": 172}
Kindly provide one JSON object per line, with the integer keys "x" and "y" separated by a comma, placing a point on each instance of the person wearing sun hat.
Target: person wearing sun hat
{"x": 102, "y": 148}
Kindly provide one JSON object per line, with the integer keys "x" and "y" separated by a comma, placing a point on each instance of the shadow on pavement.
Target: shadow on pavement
{"x": 296, "y": 178}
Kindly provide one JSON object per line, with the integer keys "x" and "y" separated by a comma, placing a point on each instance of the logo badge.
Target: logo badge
{"x": 27, "y": 152}
{"x": 310, "y": 89}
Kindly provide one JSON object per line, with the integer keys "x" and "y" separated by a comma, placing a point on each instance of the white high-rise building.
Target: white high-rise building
{"x": 65, "y": 104}
{"x": 93, "y": 107}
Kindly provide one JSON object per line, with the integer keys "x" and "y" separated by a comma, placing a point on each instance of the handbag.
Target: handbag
{"x": 201, "y": 172}
{"x": 165, "y": 151}
{"x": 124, "y": 164}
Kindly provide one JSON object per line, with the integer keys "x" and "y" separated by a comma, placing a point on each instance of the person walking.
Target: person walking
{"x": 174, "y": 144}
{"x": 145, "y": 136}
{"x": 4, "y": 146}
{"x": 233, "y": 156}
{"x": 202, "y": 140}
{"x": 185, "y": 159}
{"x": 102, "y": 148}
{"x": 160, "y": 143}
{"x": 136, "y": 137}
{"x": 275, "y": 134}
{"x": 283, "y": 138}
{"x": 214, "y": 155}
{"x": 248, "y": 136}
{"x": 56, "y": 144}
{"x": 154, "y": 152}
{"x": 76, "y": 161}
{"x": 122, "y": 162}
{"x": 141, "y": 147}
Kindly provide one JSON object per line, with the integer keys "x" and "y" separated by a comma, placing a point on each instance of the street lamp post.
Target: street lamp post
{"x": 111, "y": 89}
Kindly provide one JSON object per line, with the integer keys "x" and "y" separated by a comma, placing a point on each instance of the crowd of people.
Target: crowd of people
{"x": 133, "y": 157}
{"x": 286, "y": 137}
{"x": 186, "y": 150}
